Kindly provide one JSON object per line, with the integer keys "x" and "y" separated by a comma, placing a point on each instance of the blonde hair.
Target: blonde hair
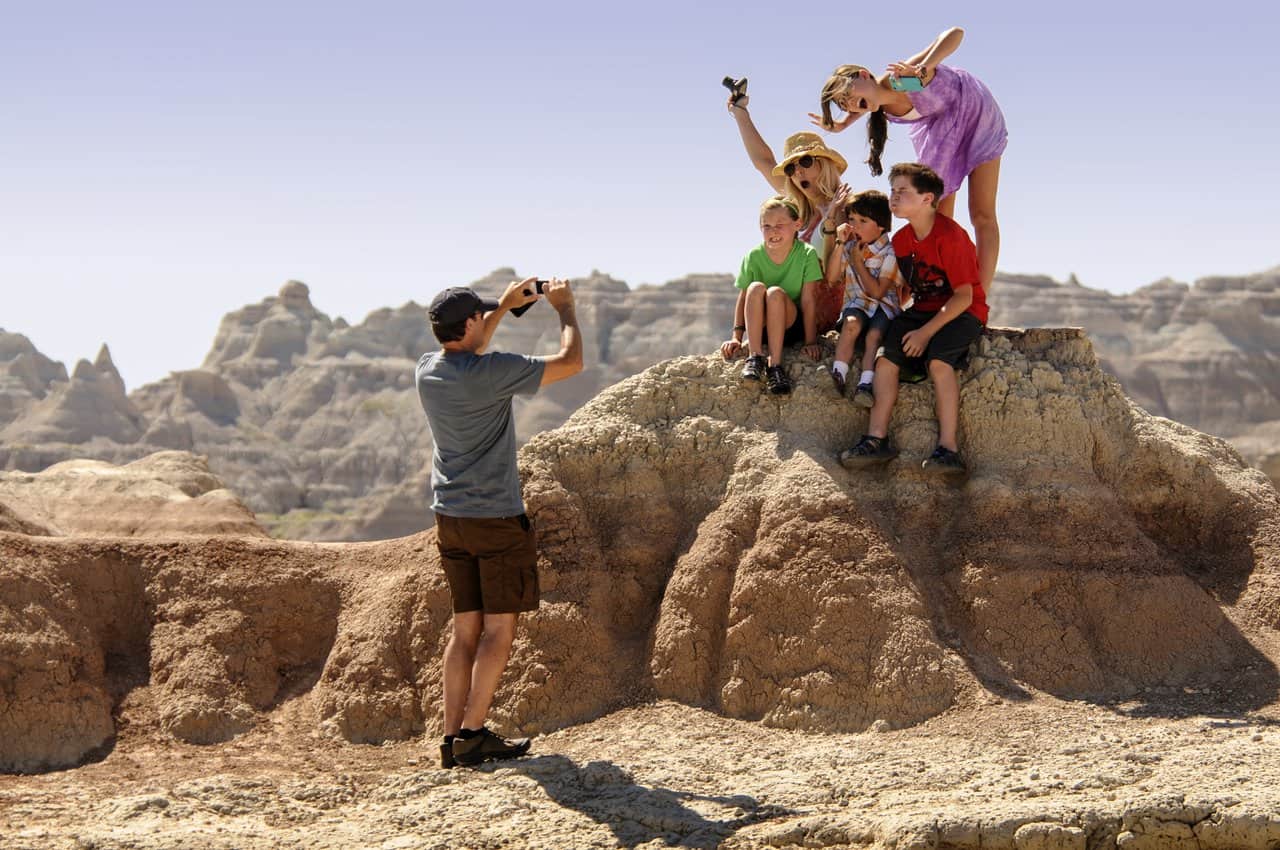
{"x": 828, "y": 183}
{"x": 780, "y": 202}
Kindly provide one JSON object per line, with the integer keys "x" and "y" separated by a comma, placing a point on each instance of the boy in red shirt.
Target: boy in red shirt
{"x": 938, "y": 262}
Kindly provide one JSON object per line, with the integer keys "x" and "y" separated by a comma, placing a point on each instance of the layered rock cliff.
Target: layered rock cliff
{"x": 314, "y": 421}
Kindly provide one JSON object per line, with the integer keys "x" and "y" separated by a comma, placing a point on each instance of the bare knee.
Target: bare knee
{"x": 756, "y": 290}
{"x": 500, "y": 629}
{"x": 941, "y": 369}
{"x": 983, "y": 218}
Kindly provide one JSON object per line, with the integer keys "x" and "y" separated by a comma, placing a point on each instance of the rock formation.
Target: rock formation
{"x": 166, "y": 494}
{"x": 314, "y": 422}
{"x": 1203, "y": 355}
{"x": 700, "y": 543}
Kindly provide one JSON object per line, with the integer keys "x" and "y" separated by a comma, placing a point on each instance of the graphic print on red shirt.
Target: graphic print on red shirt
{"x": 934, "y": 266}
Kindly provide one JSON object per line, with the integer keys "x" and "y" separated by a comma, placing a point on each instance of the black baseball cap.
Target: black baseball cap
{"x": 457, "y": 304}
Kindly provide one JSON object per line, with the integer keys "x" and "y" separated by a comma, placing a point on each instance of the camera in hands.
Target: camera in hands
{"x": 737, "y": 89}
{"x": 538, "y": 286}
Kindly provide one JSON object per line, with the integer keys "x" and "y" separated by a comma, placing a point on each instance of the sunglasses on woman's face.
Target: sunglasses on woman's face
{"x": 805, "y": 161}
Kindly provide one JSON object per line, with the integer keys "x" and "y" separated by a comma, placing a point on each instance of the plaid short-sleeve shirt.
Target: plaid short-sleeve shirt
{"x": 879, "y": 259}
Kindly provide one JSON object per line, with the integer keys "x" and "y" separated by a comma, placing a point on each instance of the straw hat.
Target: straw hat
{"x": 810, "y": 144}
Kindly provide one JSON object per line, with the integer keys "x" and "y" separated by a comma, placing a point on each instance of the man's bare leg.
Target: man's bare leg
{"x": 459, "y": 658}
{"x": 491, "y": 657}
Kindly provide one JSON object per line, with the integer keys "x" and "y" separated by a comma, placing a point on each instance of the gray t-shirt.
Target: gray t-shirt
{"x": 467, "y": 398}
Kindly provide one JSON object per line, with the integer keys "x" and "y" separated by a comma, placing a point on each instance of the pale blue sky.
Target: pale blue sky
{"x": 162, "y": 164}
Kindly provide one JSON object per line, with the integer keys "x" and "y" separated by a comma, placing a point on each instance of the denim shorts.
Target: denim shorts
{"x": 878, "y": 322}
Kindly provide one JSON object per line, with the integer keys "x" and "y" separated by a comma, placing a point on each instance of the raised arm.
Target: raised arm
{"x": 836, "y": 265}
{"x": 568, "y": 362}
{"x": 761, "y": 155}
{"x": 514, "y": 296}
{"x": 942, "y": 47}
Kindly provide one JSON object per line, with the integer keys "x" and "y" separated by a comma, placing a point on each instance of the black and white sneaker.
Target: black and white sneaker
{"x": 944, "y": 462}
{"x": 779, "y": 383}
{"x": 486, "y": 746}
{"x": 863, "y": 397}
{"x": 870, "y": 451}
{"x": 753, "y": 369}
{"x": 838, "y": 380}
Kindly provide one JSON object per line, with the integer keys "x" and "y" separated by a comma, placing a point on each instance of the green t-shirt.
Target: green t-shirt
{"x": 800, "y": 267}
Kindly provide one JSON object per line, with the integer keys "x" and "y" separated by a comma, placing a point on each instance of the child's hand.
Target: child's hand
{"x": 915, "y": 342}
{"x": 835, "y": 126}
{"x": 902, "y": 69}
{"x": 740, "y": 104}
{"x": 812, "y": 350}
{"x": 730, "y": 348}
{"x": 845, "y": 234}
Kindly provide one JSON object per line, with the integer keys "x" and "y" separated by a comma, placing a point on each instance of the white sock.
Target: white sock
{"x": 840, "y": 367}
{"x": 868, "y": 377}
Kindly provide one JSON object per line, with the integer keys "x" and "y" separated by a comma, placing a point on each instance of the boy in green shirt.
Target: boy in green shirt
{"x": 771, "y": 283}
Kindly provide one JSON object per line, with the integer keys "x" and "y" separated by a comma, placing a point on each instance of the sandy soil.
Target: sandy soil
{"x": 1174, "y": 771}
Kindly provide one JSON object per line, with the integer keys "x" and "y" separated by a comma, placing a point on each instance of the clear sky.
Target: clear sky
{"x": 164, "y": 163}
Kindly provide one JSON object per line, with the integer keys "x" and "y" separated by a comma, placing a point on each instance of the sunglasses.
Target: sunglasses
{"x": 805, "y": 161}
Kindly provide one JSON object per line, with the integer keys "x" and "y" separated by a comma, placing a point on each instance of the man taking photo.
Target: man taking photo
{"x": 486, "y": 541}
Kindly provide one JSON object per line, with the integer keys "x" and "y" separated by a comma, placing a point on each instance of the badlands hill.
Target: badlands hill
{"x": 1034, "y": 657}
{"x": 314, "y": 422}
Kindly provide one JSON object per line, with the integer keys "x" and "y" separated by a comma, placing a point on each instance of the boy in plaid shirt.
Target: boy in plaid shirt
{"x": 864, "y": 258}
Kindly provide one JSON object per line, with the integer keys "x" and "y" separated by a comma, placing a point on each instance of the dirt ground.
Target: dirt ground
{"x": 1174, "y": 770}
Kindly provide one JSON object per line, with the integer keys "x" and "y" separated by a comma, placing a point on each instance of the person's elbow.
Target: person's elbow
{"x": 566, "y": 364}
{"x": 574, "y": 361}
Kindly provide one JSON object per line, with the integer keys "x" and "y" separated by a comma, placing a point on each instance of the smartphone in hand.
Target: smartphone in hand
{"x": 905, "y": 83}
{"x": 519, "y": 311}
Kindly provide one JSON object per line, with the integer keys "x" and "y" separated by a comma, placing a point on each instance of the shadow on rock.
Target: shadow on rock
{"x": 637, "y": 814}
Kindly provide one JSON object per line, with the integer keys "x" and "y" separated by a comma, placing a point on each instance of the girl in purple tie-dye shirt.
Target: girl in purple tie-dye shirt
{"x": 955, "y": 124}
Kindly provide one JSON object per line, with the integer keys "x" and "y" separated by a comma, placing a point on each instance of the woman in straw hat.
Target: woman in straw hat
{"x": 808, "y": 175}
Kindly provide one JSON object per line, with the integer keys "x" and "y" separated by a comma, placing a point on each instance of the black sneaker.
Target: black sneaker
{"x": 944, "y": 462}
{"x": 870, "y": 451}
{"x": 838, "y": 380}
{"x": 863, "y": 397}
{"x": 487, "y": 747}
{"x": 753, "y": 369}
{"x": 779, "y": 383}
{"x": 446, "y": 754}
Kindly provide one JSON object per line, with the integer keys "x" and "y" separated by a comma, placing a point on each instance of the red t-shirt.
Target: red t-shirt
{"x": 934, "y": 266}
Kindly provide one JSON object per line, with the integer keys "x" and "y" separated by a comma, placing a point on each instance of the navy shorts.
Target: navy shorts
{"x": 950, "y": 345}
{"x": 878, "y": 322}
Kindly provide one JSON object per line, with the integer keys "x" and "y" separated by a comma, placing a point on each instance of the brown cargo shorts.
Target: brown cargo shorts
{"x": 491, "y": 564}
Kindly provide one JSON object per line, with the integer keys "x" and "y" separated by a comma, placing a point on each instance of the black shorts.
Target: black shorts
{"x": 793, "y": 334}
{"x": 879, "y": 321}
{"x": 491, "y": 564}
{"x": 950, "y": 345}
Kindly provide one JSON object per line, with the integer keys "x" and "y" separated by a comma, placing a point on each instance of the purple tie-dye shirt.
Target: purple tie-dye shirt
{"x": 959, "y": 128}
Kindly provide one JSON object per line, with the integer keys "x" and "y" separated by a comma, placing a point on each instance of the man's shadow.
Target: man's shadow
{"x": 637, "y": 814}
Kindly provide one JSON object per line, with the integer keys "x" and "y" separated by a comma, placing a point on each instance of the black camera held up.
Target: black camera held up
{"x": 519, "y": 311}
{"x": 737, "y": 88}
